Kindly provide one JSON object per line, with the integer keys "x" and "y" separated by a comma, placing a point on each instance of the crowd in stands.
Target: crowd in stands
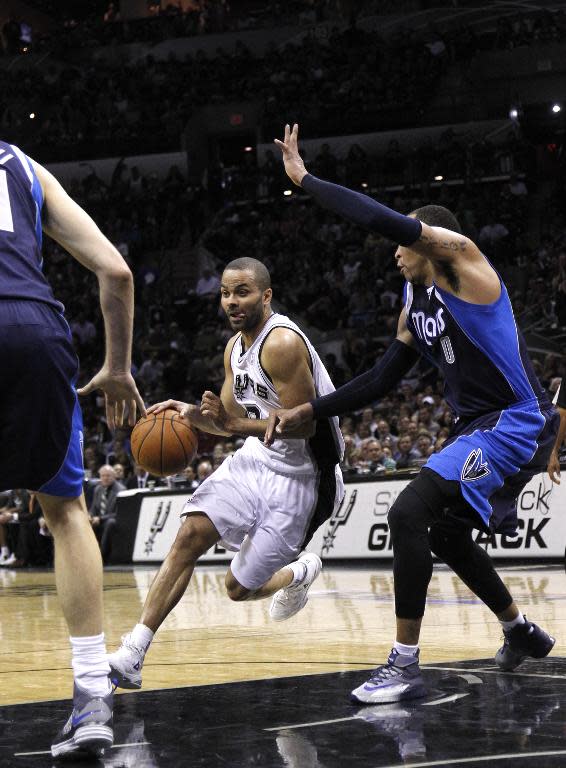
{"x": 339, "y": 282}
{"x": 96, "y": 24}
{"x": 351, "y": 82}
{"x": 147, "y": 103}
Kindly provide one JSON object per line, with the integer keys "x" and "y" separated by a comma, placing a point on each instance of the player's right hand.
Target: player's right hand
{"x": 120, "y": 395}
{"x": 294, "y": 166}
{"x": 183, "y": 409}
{"x": 285, "y": 422}
{"x": 553, "y": 468}
{"x": 174, "y": 405}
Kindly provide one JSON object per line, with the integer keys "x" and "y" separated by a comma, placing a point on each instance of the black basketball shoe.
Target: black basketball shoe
{"x": 89, "y": 728}
{"x": 521, "y": 642}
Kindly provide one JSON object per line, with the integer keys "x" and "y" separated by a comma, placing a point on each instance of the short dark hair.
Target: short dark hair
{"x": 259, "y": 270}
{"x": 438, "y": 216}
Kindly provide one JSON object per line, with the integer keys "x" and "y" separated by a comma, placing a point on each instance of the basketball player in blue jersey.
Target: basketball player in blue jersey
{"x": 41, "y": 424}
{"x": 458, "y": 315}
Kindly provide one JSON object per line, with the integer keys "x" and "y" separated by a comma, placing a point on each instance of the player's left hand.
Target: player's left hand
{"x": 285, "y": 422}
{"x": 212, "y": 407}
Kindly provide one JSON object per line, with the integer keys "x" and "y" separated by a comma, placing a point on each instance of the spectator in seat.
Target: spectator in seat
{"x": 142, "y": 479}
{"x": 204, "y": 469}
{"x": 405, "y": 454}
{"x": 424, "y": 444}
{"x": 102, "y": 511}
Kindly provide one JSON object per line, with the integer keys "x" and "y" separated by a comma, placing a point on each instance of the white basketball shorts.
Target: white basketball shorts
{"x": 263, "y": 515}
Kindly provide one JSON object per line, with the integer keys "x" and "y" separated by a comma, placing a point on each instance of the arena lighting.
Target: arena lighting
{"x": 556, "y": 108}
{"x": 248, "y": 149}
{"x": 439, "y": 178}
{"x": 31, "y": 115}
{"x": 288, "y": 192}
{"x": 364, "y": 185}
{"x": 513, "y": 113}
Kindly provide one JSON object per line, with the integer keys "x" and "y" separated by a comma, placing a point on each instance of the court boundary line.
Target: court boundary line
{"x": 114, "y": 746}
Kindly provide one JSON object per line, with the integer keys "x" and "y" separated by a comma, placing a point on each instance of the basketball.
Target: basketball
{"x": 163, "y": 444}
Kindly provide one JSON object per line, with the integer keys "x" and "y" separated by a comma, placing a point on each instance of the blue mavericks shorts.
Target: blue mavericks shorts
{"x": 41, "y": 428}
{"x": 494, "y": 456}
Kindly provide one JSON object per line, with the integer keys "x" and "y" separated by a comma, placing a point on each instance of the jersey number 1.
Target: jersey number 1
{"x": 6, "y": 221}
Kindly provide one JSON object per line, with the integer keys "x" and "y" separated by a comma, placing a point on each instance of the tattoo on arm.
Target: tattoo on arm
{"x": 447, "y": 245}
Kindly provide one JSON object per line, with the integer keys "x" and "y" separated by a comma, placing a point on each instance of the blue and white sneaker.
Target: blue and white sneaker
{"x": 88, "y": 731}
{"x": 521, "y": 642}
{"x": 398, "y": 680}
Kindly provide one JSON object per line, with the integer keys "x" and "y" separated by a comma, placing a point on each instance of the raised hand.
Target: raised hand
{"x": 294, "y": 166}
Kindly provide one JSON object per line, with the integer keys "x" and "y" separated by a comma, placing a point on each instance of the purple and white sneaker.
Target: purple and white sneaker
{"x": 398, "y": 680}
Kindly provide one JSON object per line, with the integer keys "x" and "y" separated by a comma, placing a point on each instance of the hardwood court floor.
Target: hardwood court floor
{"x": 347, "y": 625}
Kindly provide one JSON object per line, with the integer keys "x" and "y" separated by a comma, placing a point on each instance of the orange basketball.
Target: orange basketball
{"x": 163, "y": 444}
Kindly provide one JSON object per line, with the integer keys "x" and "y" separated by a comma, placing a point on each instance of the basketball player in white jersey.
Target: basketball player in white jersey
{"x": 265, "y": 502}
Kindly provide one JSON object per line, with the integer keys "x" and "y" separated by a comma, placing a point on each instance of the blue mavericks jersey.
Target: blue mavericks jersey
{"x": 478, "y": 348}
{"x": 21, "y": 201}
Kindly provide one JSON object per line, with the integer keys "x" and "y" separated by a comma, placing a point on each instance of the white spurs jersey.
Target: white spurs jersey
{"x": 254, "y": 391}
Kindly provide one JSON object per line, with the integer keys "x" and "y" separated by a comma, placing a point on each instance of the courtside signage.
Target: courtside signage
{"x": 359, "y": 528}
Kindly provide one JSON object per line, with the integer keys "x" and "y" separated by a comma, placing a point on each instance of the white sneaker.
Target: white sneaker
{"x": 289, "y": 601}
{"x": 4, "y": 558}
{"x": 8, "y": 561}
{"x": 126, "y": 664}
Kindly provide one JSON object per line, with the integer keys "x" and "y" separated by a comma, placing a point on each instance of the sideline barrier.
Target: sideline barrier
{"x": 148, "y": 522}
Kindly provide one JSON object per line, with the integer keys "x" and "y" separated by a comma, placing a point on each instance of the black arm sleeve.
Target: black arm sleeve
{"x": 363, "y": 210}
{"x": 369, "y": 386}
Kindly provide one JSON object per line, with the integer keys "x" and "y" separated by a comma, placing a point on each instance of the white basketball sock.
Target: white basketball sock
{"x": 90, "y": 664}
{"x": 299, "y": 572}
{"x": 520, "y": 619}
{"x": 141, "y": 637}
{"x": 5, "y": 552}
{"x": 406, "y": 650}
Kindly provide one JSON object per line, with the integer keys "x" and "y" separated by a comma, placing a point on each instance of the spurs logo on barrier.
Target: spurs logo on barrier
{"x": 157, "y": 525}
{"x": 340, "y": 517}
{"x": 474, "y": 467}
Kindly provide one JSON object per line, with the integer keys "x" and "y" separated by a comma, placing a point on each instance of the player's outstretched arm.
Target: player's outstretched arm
{"x": 357, "y": 393}
{"x": 434, "y": 243}
{"x": 358, "y": 208}
{"x": 71, "y": 227}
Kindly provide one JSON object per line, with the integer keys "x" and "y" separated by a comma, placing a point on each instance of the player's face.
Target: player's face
{"x": 412, "y": 265}
{"x": 242, "y": 300}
